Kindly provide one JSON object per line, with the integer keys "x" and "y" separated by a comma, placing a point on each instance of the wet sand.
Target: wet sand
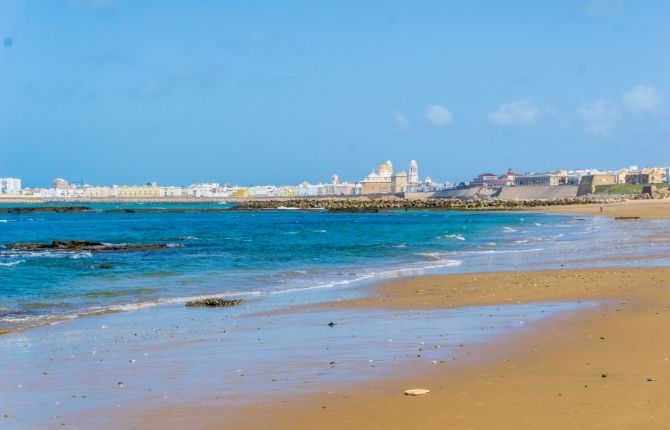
{"x": 645, "y": 209}
{"x": 606, "y": 367}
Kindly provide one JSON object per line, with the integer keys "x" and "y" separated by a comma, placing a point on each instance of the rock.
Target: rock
{"x": 213, "y": 302}
{"x": 79, "y": 246}
{"x": 3, "y": 331}
{"x": 416, "y": 392}
{"x": 43, "y": 209}
{"x": 331, "y": 324}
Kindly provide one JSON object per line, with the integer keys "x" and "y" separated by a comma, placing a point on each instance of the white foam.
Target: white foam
{"x": 454, "y": 236}
{"x": 12, "y": 263}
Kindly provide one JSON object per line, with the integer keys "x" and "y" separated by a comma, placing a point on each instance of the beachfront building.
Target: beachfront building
{"x": 10, "y": 186}
{"x": 485, "y": 180}
{"x": 646, "y": 175}
{"x": 60, "y": 184}
{"x": 491, "y": 180}
{"x": 546, "y": 179}
{"x": 171, "y": 192}
{"x": 92, "y": 192}
{"x": 508, "y": 179}
{"x": 148, "y": 191}
{"x": 206, "y": 189}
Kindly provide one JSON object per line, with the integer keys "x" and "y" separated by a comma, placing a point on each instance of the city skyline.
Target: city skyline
{"x": 279, "y": 94}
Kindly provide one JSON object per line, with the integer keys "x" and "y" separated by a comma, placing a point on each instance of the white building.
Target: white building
{"x": 10, "y": 185}
{"x": 171, "y": 192}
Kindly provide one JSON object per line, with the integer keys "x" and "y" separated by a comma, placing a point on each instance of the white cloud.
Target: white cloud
{"x": 401, "y": 121}
{"x": 521, "y": 111}
{"x": 642, "y": 98}
{"x": 439, "y": 116}
{"x": 601, "y": 117}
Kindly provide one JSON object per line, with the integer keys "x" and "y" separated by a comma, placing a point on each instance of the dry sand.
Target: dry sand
{"x": 645, "y": 209}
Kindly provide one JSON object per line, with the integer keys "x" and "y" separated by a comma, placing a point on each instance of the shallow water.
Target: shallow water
{"x": 78, "y": 374}
{"x": 273, "y": 255}
{"x": 68, "y": 372}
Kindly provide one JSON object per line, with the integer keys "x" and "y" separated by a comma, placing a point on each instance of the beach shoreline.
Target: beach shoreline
{"x": 516, "y": 377}
{"x": 596, "y": 368}
{"x": 606, "y": 367}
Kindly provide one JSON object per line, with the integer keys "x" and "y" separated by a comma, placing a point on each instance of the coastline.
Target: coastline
{"x": 465, "y": 385}
{"x": 605, "y": 367}
{"x": 643, "y": 209}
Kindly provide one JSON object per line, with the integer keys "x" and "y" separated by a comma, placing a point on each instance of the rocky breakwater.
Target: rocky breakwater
{"x": 363, "y": 204}
{"x": 80, "y": 246}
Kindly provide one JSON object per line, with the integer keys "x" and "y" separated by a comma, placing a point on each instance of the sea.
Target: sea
{"x": 103, "y": 337}
{"x": 281, "y": 256}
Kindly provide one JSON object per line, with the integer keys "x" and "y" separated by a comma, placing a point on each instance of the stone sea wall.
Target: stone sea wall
{"x": 393, "y": 203}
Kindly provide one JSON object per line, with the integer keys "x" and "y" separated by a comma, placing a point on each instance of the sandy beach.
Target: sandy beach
{"x": 644, "y": 209}
{"x": 601, "y": 361}
{"x": 606, "y": 367}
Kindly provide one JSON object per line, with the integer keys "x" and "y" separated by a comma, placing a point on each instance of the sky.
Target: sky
{"x": 257, "y": 92}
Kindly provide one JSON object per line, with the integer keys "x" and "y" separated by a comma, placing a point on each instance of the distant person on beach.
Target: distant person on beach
{"x": 601, "y": 208}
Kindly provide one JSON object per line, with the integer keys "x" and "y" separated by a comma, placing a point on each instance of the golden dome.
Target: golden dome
{"x": 385, "y": 167}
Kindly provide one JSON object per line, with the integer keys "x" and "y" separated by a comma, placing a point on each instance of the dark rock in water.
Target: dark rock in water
{"x": 80, "y": 245}
{"x": 626, "y": 217}
{"x": 103, "y": 266}
{"x": 42, "y": 209}
{"x": 331, "y": 324}
{"x": 213, "y": 302}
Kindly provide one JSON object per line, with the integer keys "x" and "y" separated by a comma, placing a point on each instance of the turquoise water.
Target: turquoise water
{"x": 271, "y": 256}
{"x": 81, "y": 372}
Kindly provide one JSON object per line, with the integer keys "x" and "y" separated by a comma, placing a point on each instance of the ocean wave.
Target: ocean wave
{"x": 431, "y": 255}
{"x": 45, "y": 254}
{"x": 189, "y": 238}
{"x": 453, "y": 236}
{"x": 12, "y": 263}
{"x": 35, "y": 320}
{"x": 78, "y": 255}
{"x": 509, "y": 229}
{"x": 320, "y": 231}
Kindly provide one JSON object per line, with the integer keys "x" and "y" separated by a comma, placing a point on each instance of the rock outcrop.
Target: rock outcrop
{"x": 79, "y": 246}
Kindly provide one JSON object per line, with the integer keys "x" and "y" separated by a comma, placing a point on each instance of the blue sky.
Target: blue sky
{"x": 249, "y": 92}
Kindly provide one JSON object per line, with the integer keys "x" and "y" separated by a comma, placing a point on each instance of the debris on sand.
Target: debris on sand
{"x": 213, "y": 302}
{"x": 416, "y": 392}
